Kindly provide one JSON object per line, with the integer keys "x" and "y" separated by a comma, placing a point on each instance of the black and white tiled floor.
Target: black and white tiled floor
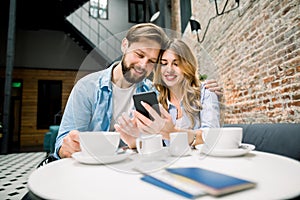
{"x": 14, "y": 171}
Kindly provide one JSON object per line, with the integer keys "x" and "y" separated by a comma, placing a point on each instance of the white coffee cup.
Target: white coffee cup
{"x": 149, "y": 144}
{"x": 179, "y": 144}
{"x": 99, "y": 143}
{"x": 222, "y": 138}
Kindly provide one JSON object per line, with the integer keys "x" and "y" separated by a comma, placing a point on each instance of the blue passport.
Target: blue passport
{"x": 192, "y": 182}
{"x": 213, "y": 183}
{"x": 174, "y": 183}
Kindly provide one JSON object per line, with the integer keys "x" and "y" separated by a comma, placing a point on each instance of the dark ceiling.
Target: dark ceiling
{"x": 39, "y": 14}
{"x": 43, "y": 14}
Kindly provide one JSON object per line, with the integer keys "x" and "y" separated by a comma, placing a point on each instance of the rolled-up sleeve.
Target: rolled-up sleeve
{"x": 77, "y": 114}
{"x": 210, "y": 113}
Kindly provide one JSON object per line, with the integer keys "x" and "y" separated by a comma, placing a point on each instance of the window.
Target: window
{"x": 185, "y": 13}
{"x": 49, "y": 102}
{"x": 99, "y": 9}
{"x": 94, "y": 8}
{"x": 136, "y": 11}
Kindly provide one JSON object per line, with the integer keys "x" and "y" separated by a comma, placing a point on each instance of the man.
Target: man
{"x": 98, "y": 99}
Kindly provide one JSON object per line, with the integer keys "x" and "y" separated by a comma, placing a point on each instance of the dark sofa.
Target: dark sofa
{"x": 280, "y": 138}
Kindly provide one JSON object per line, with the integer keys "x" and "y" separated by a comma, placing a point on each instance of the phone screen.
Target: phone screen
{"x": 148, "y": 97}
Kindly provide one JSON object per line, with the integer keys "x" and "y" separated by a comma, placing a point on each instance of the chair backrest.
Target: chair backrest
{"x": 280, "y": 138}
{"x": 54, "y": 130}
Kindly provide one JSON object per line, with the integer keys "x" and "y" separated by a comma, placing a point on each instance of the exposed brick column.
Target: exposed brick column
{"x": 175, "y": 15}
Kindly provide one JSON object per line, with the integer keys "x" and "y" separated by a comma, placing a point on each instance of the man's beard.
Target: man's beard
{"x": 128, "y": 75}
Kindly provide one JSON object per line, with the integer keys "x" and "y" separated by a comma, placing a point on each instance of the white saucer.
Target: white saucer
{"x": 100, "y": 159}
{"x": 242, "y": 150}
{"x": 188, "y": 152}
{"x": 164, "y": 152}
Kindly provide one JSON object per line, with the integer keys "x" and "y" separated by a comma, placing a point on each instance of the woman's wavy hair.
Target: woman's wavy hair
{"x": 191, "y": 84}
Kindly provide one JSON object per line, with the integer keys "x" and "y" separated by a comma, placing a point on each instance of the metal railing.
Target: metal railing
{"x": 105, "y": 41}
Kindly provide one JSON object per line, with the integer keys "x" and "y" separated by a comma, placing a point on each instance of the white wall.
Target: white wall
{"x": 117, "y": 16}
{"x": 47, "y": 49}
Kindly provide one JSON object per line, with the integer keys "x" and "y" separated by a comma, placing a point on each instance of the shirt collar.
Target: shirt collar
{"x": 105, "y": 81}
{"x": 170, "y": 105}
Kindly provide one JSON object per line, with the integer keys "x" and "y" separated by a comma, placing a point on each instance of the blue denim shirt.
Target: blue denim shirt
{"x": 89, "y": 107}
{"x": 209, "y": 116}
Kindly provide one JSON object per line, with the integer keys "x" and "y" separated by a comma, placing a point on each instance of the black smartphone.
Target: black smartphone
{"x": 149, "y": 98}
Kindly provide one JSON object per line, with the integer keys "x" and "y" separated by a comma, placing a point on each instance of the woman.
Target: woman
{"x": 186, "y": 105}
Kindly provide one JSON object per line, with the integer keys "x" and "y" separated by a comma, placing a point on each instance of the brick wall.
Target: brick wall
{"x": 253, "y": 51}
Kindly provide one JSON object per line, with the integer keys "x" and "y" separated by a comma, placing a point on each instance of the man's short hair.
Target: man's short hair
{"x": 149, "y": 31}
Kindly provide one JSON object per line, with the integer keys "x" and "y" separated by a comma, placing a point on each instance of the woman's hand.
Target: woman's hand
{"x": 161, "y": 124}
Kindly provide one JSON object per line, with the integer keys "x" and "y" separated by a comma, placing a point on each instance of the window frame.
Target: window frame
{"x": 136, "y": 11}
{"x": 95, "y": 8}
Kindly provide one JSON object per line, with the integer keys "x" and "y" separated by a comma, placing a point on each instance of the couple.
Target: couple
{"x": 102, "y": 100}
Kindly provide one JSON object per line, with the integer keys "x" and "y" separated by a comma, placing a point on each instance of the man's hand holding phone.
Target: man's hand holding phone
{"x": 128, "y": 129}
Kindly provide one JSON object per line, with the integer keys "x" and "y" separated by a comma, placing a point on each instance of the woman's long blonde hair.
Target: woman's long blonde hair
{"x": 191, "y": 83}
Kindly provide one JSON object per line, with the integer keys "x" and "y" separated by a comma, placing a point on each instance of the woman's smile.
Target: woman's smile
{"x": 170, "y": 77}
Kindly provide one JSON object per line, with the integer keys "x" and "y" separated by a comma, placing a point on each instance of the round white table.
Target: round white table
{"x": 277, "y": 177}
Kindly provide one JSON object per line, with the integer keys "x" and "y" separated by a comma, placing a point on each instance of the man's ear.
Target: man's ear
{"x": 124, "y": 45}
